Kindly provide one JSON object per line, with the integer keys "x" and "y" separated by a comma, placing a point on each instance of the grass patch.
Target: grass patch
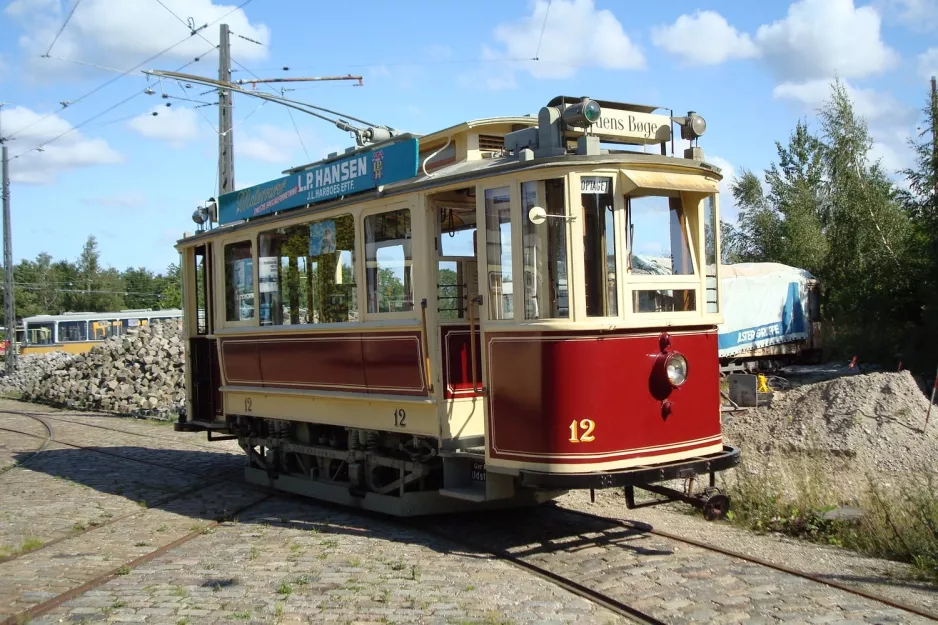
{"x": 242, "y": 616}
{"x": 31, "y": 543}
{"x": 899, "y": 521}
{"x": 285, "y": 589}
{"x": 123, "y": 570}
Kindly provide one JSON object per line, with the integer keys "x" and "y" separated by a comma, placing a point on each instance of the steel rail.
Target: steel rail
{"x": 772, "y": 565}
{"x": 49, "y": 439}
{"x": 590, "y": 594}
{"x": 50, "y": 604}
{"x": 55, "y": 416}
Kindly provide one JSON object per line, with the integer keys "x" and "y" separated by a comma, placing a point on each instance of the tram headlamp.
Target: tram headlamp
{"x": 692, "y": 125}
{"x": 584, "y": 113}
{"x": 675, "y": 367}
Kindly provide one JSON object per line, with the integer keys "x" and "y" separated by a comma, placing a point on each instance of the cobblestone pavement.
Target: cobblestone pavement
{"x": 282, "y": 561}
{"x": 285, "y": 561}
{"x": 672, "y": 581}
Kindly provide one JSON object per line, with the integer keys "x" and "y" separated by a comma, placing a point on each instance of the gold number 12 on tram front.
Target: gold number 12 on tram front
{"x": 587, "y": 425}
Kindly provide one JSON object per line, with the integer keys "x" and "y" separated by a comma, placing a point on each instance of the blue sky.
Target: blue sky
{"x": 133, "y": 179}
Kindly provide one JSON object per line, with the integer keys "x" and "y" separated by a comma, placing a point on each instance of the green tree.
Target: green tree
{"x": 170, "y": 286}
{"x": 141, "y": 287}
{"x": 100, "y": 289}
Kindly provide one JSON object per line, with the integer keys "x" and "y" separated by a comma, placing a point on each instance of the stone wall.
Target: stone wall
{"x": 140, "y": 373}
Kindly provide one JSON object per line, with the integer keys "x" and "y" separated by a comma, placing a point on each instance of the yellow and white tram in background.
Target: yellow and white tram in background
{"x": 78, "y": 332}
{"x": 485, "y": 316}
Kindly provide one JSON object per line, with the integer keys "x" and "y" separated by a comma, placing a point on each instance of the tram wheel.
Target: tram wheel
{"x": 716, "y": 507}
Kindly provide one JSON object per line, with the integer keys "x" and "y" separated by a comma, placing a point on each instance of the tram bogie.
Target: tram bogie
{"x": 487, "y": 316}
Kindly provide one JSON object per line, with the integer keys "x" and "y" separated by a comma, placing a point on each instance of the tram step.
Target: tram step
{"x": 470, "y": 493}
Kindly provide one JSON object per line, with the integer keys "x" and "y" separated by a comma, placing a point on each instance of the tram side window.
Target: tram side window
{"x": 239, "y": 282}
{"x": 306, "y": 273}
{"x": 41, "y": 333}
{"x": 201, "y": 290}
{"x": 657, "y": 235}
{"x": 73, "y": 331}
{"x": 102, "y": 329}
{"x": 710, "y": 253}
{"x": 599, "y": 245}
{"x": 498, "y": 247}
{"x": 545, "y": 253}
{"x": 389, "y": 262}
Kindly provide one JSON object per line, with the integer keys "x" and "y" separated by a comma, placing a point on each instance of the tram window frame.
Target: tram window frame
{"x": 552, "y": 232}
{"x": 79, "y": 324}
{"x": 372, "y": 303}
{"x": 285, "y": 305}
{"x": 35, "y": 329}
{"x": 233, "y": 316}
{"x": 685, "y": 223}
{"x": 495, "y": 272}
{"x": 711, "y": 253}
{"x": 644, "y": 289}
{"x": 606, "y": 302}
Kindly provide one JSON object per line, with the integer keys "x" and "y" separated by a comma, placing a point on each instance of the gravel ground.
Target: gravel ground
{"x": 882, "y": 577}
{"x": 850, "y": 428}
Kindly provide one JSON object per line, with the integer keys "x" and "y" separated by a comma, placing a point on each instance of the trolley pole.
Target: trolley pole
{"x": 8, "y": 307}
{"x": 225, "y": 109}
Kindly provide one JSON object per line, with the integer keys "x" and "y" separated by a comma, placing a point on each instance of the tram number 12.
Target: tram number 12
{"x": 587, "y": 425}
{"x": 400, "y": 418}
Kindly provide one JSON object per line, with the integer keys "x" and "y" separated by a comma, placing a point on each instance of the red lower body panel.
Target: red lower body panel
{"x": 582, "y": 399}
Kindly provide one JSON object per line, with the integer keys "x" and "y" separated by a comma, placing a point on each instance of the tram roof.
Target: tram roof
{"x": 105, "y": 316}
{"x": 458, "y": 154}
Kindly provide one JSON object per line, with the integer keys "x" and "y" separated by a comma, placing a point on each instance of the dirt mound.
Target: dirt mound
{"x": 868, "y": 422}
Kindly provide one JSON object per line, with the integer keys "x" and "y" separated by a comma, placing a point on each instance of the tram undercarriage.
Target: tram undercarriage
{"x": 370, "y": 469}
{"x": 409, "y": 476}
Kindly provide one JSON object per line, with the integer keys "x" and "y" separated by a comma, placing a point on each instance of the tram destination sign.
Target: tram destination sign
{"x": 620, "y": 126}
{"x": 358, "y": 172}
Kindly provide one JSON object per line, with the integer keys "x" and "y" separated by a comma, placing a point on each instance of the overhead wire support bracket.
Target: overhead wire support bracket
{"x": 370, "y": 134}
{"x": 299, "y": 79}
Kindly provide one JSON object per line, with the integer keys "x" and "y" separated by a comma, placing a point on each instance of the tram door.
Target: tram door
{"x": 204, "y": 371}
{"x": 457, "y": 280}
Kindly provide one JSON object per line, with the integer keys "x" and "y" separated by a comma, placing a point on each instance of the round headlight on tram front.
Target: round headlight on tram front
{"x": 675, "y": 367}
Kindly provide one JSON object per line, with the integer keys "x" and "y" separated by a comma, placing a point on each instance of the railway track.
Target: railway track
{"x": 50, "y": 435}
{"x": 503, "y": 537}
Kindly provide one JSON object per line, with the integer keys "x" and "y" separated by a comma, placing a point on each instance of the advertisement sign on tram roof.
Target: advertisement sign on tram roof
{"x": 358, "y": 172}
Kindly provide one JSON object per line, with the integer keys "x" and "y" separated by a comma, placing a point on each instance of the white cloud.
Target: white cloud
{"x": 173, "y": 125}
{"x": 928, "y": 63}
{"x": 70, "y": 151}
{"x": 704, "y": 38}
{"x": 918, "y": 15}
{"x": 868, "y": 103}
{"x": 121, "y": 34}
{"x": 280, "y": 145}
{"x": 824, "y": 38}
{"x": 575, "y": 35}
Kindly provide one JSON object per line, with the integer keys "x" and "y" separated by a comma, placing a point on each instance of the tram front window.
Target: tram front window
{"x": 659, "y": 246}
{"x": 545, "y": 252}
{"x": 599, "y": 244}
{"x": 658, "y": 243}
{"x": 498, "y": 242}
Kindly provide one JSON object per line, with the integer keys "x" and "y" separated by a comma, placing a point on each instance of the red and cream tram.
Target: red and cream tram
{"x": 486, "y": 316}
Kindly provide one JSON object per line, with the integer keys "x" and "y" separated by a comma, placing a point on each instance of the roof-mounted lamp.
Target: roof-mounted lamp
{"x": 586, "y": 112}
{"x": 693, "y": 126}
{"x": 207, "y": 212}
